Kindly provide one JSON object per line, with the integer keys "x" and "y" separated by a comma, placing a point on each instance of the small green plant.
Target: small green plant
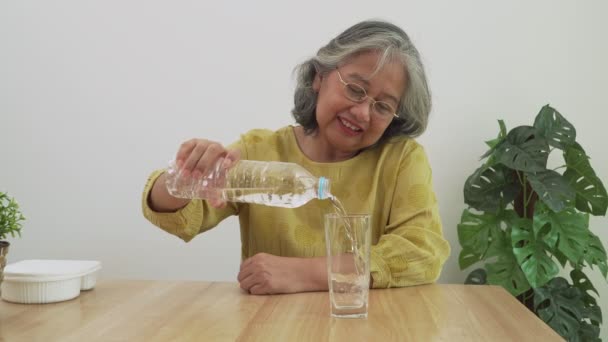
{"x": 525, "y": 219}
{"x": 10, "y": 217}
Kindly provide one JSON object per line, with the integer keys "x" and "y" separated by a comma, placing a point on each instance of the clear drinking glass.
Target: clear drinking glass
{"x": 348, "y": 242}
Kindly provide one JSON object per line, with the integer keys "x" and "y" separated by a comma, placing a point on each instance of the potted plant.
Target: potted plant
{"x": 10, "y": 224}
{"x": 526, "y": 219}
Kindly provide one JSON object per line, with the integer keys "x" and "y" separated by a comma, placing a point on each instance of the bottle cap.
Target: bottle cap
{"x": 323, "y": 191}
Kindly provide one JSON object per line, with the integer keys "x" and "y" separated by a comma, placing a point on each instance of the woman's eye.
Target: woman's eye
{"x": 356, "y": 91}
{"x": 384, "y": 108}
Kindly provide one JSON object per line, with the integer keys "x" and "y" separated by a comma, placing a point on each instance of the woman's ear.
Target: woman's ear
{"x": 316, "y": 83}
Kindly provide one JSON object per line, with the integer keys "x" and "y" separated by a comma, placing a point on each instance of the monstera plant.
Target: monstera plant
{"x": 528, "y": 222}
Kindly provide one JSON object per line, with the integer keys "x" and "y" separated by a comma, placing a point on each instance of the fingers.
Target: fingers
{"x": 208, "y": 159}
{"x": 245, "y": 264}
{"x": 245, "y": 271}
{"x": 248, "y": 282}
{"x": 248, "y": 274}
{"x": 198, "y": 157}
{"x": 190, "y": 152}
{"x": 184, "y": 151}
{"x": 258, "y": 289}
{"x": 254, "y": 275}
{"x": 256, "y": 284}
{"x": 232, "y": 157}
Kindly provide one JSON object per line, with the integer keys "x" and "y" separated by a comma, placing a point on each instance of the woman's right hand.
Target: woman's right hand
{"x": 195, "y": 158}
{"x": 198, "y": 157}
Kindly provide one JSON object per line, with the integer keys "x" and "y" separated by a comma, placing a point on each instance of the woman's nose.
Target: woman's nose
{"x": 362, "y": 110}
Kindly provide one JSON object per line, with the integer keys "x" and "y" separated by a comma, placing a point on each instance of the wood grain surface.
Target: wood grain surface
{"x": 133, "y": 310}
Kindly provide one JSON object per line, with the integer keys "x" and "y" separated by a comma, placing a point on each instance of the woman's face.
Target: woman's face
{"x": 345, "y": 125}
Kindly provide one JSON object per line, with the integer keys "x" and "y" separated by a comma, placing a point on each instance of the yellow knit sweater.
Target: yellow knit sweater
{"x": 392, "y": 182}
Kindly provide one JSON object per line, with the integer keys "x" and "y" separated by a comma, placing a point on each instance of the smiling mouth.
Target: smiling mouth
{"x": 350, "y": 126}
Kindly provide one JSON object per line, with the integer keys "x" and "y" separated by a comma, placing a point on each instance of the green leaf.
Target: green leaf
{"x": 506, "y": 272}
{"x": 580, "y": 281}
{"x": 501, "y": 242}
{"x": 522, "y": 150}
{"x": 592, "y": 311}
{"x": 490, "y": 188}
{"x": 594, "y": 314}
{"x": 468, "y": 257}
{"x": 503, "y": 129}
{"x": 552, "y": 189}
{"x": 10, "y": 217}
{"x": 474, "y": 230}
{"x": 492, "y": 143}
{"x": 591, "y": 196}
{"x": 560, "y": 306}
{"x": 531, "y": 254}
{"x": 589, "y": 332}
{"x": 568, "y": 228}
{"x": 555, "y": 128}
{"x": 481, "y": 236}
{"x": 564, "y": 307}
{"x": 561, "y": 258}
{"x": 495, "y": 142}
{"x": 595, "y": 254}
{"x": 477, "y": 277}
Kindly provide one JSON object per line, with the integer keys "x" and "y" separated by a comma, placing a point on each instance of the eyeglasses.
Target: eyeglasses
{"x": 357, "y": 93}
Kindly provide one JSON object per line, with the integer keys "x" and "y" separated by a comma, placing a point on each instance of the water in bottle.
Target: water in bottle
{"x": 276, "y": 184}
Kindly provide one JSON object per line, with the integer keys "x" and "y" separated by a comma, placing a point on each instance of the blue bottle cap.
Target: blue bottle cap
{"x": 323, "y": 191}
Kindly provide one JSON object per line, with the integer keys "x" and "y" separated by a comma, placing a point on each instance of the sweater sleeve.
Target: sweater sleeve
{"x": 196, "y": 217}
{"x": 412, "y": 249}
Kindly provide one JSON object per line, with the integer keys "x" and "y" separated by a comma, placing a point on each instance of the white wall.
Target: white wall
{"x": 95, "y": 95}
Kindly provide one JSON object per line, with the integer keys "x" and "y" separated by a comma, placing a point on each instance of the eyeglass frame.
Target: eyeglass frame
{"x": 374, "y": 101}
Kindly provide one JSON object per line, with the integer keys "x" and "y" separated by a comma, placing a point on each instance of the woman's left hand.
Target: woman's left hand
{"x": 270, "y": 274}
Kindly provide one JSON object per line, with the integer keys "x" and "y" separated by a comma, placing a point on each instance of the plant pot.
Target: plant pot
{"x": 3, "y": 252}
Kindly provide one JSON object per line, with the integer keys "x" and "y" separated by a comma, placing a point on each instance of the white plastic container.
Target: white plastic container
{"x": 48, "y": 281}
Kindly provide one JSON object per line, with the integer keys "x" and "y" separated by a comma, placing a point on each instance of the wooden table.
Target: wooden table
{"x": 201, "y": 311}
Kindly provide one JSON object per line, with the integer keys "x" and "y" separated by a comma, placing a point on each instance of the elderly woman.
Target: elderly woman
{"x": 359, "y": 103}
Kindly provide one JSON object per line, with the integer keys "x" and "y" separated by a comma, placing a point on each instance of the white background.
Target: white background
{"x": 94, "y": 95}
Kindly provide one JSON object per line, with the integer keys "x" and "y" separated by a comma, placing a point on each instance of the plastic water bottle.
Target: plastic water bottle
{"x": 275, "y": 184}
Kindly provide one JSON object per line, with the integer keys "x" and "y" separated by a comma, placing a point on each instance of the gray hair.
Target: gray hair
{"x": 394, "y": 45}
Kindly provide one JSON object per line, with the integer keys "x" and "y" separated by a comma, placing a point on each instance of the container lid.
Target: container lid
{"x": 49, "y": 270}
